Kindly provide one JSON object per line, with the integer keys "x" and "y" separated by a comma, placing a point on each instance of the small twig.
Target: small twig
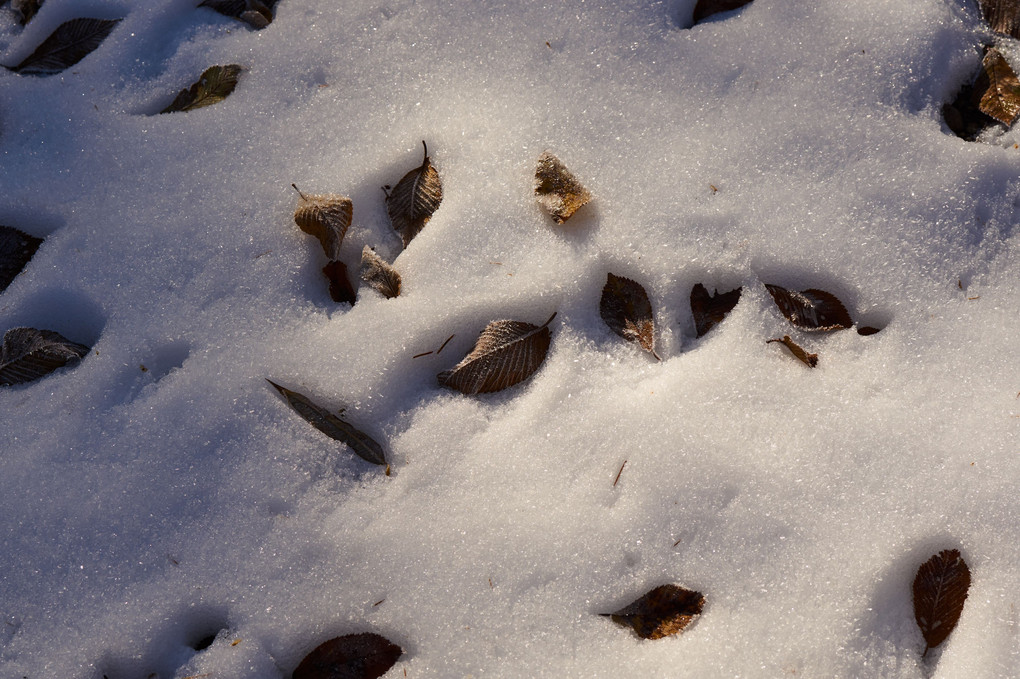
{"x": 490, "y": 584}
{"x": 173, "y": 560}
{"x": 235, "y": 642}
{"x": 420, "y": 355}
{"x": 263, "y": 254}
{"x": 299, "y": 191}
{"x": 619, "y": 473}
{"x": 973, "y": 298}
{"x": 444, "y": 344}
{"x": 378, "y": 602}
{"x": 714, "y": 189}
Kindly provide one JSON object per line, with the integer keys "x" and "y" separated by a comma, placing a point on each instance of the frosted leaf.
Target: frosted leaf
{"x": 326, "y": 216}
{"x": 213, "y": 86}
{"x": 506, "y": 353}
{"x": 379, "y": 275}
{"x": 811, "y": 309}
{"x": 998, "y": 88}
{"x": 28, "y": 354}
{"x": 627, "y": 311}
{"x": 411, "y": 203}
{"x": 940, "y": 590}
{"x": 662, "y": 612}
{"x": 70, "y": 43}
{"x": 558, "y": 191}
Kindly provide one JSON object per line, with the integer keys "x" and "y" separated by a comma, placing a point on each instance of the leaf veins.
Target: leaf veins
{"x": 940, "y": 590}
{"x": 411, "y": 203}
{"x": 558, "y": 191}
{"x": 326, "y": 216}
{"x": 627, "y": 311}
{"x": 1003, "y": 16}
{"x": 379, "y": 275}
{"x": 664, "y": 611}
{"x": 16, "y": 249}
{"x": 997, "y": 88}
{"x": 810, "y": 360}
{"x": 710, "y": 310}
{"x": 28, "y": 354}
{"x": 506, "y": 353}
{"x": 213, "y": 86}
{"x": 70, "y": 43}
{"x": 811, "y": 309}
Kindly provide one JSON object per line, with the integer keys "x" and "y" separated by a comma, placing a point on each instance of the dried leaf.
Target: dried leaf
{"x": 627, "y": 311}
{"x": 379, "y": 275}
{"x": 507, "y": 352}
{"x": 810, "y": 360}
{"x": 28, "y": 354}
{"x": 411, "y": 203}
{"x": 706, "y": 8}
{"x": 664, "y": 611}
{"x": 27, "y": 9}
{"x": 811, "y": 309}
{"x": 213, "y": 86}
{"x": 352, "y": 656}
{"x": 66, "y": 46}
{"x": 256, "y": 19}
{"x": 868, "y": 330}
{"x": 997, "y": 88}
{"x": 340, "y": 288}
{"x": 558, "y": 191}
{"x": 940, "y": 589}
{"x": 326, "y": 216}
{"x": 363, "y": 445}
{"x": 16, "y": 249}
{"x": 1003, "y": 16}
{"x": 256, "y": 13}
{"x": 710, "y": 310}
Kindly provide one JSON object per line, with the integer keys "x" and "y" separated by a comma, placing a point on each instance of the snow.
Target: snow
{"x": 799, "y": 144}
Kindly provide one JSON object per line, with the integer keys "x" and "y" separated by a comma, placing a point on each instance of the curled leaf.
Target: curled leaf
{"x": 997, "y": 88}
{"x": 326, "y": 216}
{"x": 363, "y": 445}
{"x": 507, "y": 352}
{"x": 810, "y": 360}
{"x": 627, "y": 311}
{"x": 706, "y": 8}
{"x": 411, "y": 203}
{"x": 710, "y": 310}
{"x": 16, "y": 249}
{"x": 940, "y": 590}
{"x": 664, "y": 611}
{"x": 213, "y": 86}
{"x": 811, "y": 309}
{"x": 340, "y": 288}
{"x": 379, "y": 275}
{"x": 70, "y": 43}
{"x": 352, "y": 656}
{"x": 558, "y": 191}
{"x": 28, "y": 354}
{"x": 1003, "y": 16}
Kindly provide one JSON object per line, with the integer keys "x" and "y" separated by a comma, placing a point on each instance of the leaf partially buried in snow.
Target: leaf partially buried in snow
{"x": 16, "y": 249}
{"x": 558, "y": 191}
{"x": 710, "y": 310}
{"x": 66, "y": 46}
{"x": 940, "y": 590}
{"x": 326, "y": 216}
{"x": 627, "y": 311}
{"x": 253, "y": 12}
{"x": 507, "y": 352}
{"x": 810, "y": 360}
{"x": 1003, "y": 16}
{"x": 352, "y": 656}
{"x": 363, "y": 445}
{"x": 706, "y": 8}
{"x": 213, "y": 86}
{"x": 411, "y": 203}
{"x": 27, "y": 9}
{"x": 379, "y": 275}
{"x": 28, "y": 354}
{"x": 811, "y": 309}
{"x": 664, "y": 611}
{"x": 998, "y": 88}
{"x": 340, "y": 288}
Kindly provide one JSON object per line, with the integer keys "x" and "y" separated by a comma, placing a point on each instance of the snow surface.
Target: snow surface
{"x": 144, "y": 510}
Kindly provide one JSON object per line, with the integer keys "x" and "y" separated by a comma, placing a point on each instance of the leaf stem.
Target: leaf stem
{"x": 299, "y": 191}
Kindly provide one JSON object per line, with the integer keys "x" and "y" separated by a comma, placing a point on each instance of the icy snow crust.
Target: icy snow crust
{"x": 143, "y": 511}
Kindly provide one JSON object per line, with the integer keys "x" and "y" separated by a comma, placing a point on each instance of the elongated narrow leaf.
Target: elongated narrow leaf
{"x": 664, "y": 611}
{"x": 411, "y": 203}
{"x": 627, "y": 311}
{"x": 363, "y": 445}
{"x": 326, "y": 216}
{"x": 997, "y": 88}
{"x": 16, "y": 249}
{"x": 66, "y": 46}
{"x": 810, "y": 360}
{"x": 379, "y": 275}
{"x": 706, "y": 8}
{"x": 352, "y": 656}
{"x": 213, "y": 86}
{"x": 710, "y": 310}
{"x": 27, "y": 9}
{"x": 811, "y": 309}
{"x": 1003, "y": 16}
{"x": 28, "y": 354}
{"x": 340, "y": 288}
{"x": 557, "y": 189}
{"x": 940, "y": 590}
{"x": 507, "y": 352}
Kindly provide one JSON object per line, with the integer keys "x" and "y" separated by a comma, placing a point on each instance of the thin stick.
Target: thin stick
{"x": 619, "y": 472}
{"x": 299, "y": 191}
{"x": 420, "y": 355}
{"x": 678, "y": 542}
{"x": 378, "y": 602}
{"x": 445, "y": 343}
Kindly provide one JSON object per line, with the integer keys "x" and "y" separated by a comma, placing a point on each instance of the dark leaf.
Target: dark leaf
{"x": 352, "y": 656}
{"x": 706, "y": 8}
{"x": 940, "y": 589}
{"x": 340, "y": 288}
{"x": 334, "y": 427}
{"x": 997, "y": 88}
{"x": 627, "y": 311}
{"x": 412, "y": 201}
{"x": 710, "y": 310}
{"x": 27, "y": 9}
{"x": 664, "y": 611}
{"x": 811, "y": 309}
{"x": 16, "y": 249}
{"x": 507, "y": 352}
{"x": 256, "y": 19}
{"x": 1003, "y": 16}
{"x": 230, "y": 8}
{"x": 66, "y": 46}
{"x": 326, "y": 216}
{"x": 213, "y": 86}
{"x": 868, "y": 330}
{"x": 28, "y": 354}
{"x": 379, "y": 275}
{"x": 558, "y": 191}
{"x": 810, "y": 360}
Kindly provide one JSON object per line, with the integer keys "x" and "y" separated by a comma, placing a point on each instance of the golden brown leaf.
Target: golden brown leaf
{"x": 810, "y": 360}
{"x": 327, "y": 217}
{"x": 664, "y": 611}
{"x": 411, "y": 203}
{"x": 627, "y": 311}
{"x": 506, "y": 353}
{"x": 997, "y": 88}
{"x": 379, "y": 275}
{"x": 213, "y": 86}
{"x": 558, "y": 191}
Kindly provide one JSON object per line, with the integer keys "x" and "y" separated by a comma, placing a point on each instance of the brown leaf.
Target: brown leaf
{"x": 28, "y": 354}
{"x": 256, "y": 13}
{"x": 810, "y": 360}
{"x": 706, "y": 8}
{"x": 326, "y": 216}
{"x": 70, "y": 43}
{"x": 558, "y": 191}
{"x": 664, "y": 611}
{"x": 411, "y": 203}
{"x": 506, "y": 353}
{"x": 16, "y": 249}
{"x": 710, "y": 310}
{"x": 627, "y": 311}
{"x": 997, "y": 88}
{"x": 940, "y": 590}
{"x": 1003, "y": 16}
{"x": 340, "y": 288}
{"x": 352, "y": 656}
{"x": 868, "y": 330}
{"x": 379, "y": 275}
{"x": 811, "y": 309}
{"x": 27, "y": 9}
{"x": 213, "y": 86}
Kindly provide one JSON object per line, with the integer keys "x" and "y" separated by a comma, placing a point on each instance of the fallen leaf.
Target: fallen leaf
{"x": 66, "y": 46}
{"x": 811, "y": 309}
{"x": 379, "y": 275}
{"x": 213, "y": 86}
{"x": 411, "y": 203}
{"x": 363, "y": 445}
{"x": 27, "y": 9}
{"x": 710, "y": 310}
{"x": 506, "y": 353}
{"x": 868, "y": 330}
{"x": 1003, "y": 16}
{"x": 352, "y": 656}
{"x": 810, "y": 360}
{"x": 253, "y": 12}
{"x": 706, "y": 8}
{"x": 627, "y": 311}
{"x": 558, "y": 191}
{"x": 16, "y": 249}
{"x": 664, "y": 611}
{"x": 28, "y": 354}
{"x": 326, "y": 216}
{"x": 997, "y": 88}
{"x": 940, "y": 590}
{"x": 256, "y": 19}
{"x": 340, "y": 288}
